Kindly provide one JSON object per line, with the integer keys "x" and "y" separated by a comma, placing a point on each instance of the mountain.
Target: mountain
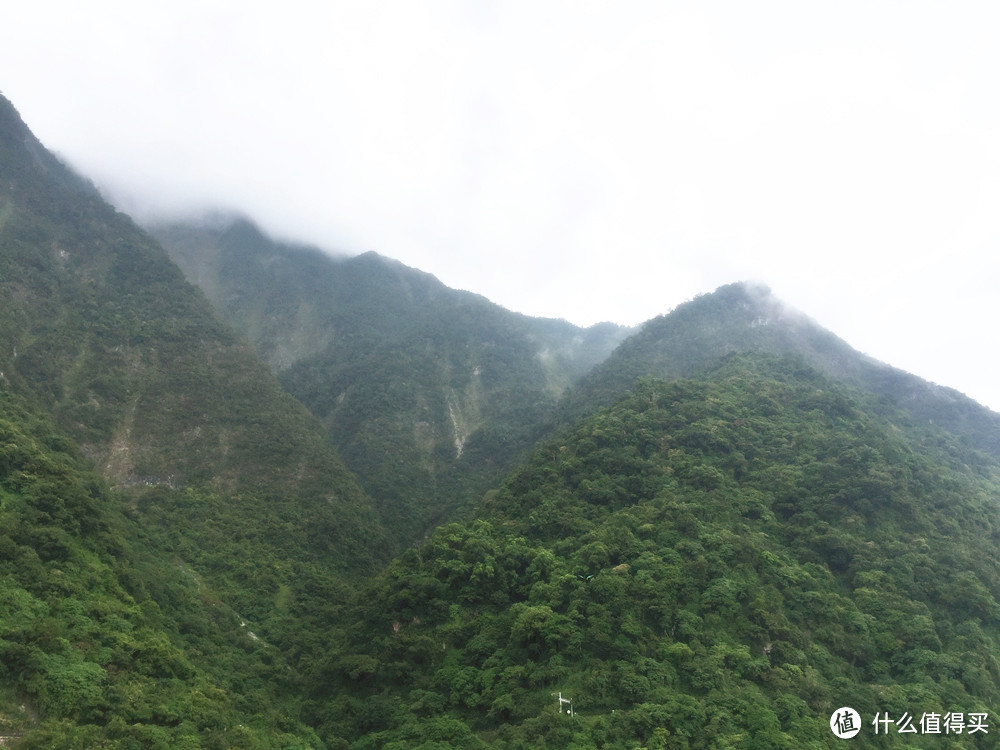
{"x": 737, "y": 525}
{"x": 713, "y": 536}
{"x": 429, "y": 393}
{"x": 214, "y": 468}
{"x": 705, "y": 563}
{"x": 749, "y": 318}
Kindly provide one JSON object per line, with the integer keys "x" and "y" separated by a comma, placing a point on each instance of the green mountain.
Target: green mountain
{"x": 429, "y": 393}
{"x": 216, "y": 470}
{"x": 710, "y": 563}
{"x": 749, "y": 318}
{"x": 734, "y": 524}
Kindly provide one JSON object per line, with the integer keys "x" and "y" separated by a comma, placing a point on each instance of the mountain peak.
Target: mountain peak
{"x": 742, "y": 316}
{"x": 746, "y": 317}
{"x": 743, "y": 302}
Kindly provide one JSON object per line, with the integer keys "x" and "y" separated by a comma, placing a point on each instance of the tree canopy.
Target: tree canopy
{"x": 711, "y": 563}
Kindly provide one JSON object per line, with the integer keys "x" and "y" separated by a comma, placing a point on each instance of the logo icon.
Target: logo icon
{"x": 845, "y": 722}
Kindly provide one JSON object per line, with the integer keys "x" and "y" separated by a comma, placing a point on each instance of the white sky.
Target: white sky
{"x": 591, "y": 161}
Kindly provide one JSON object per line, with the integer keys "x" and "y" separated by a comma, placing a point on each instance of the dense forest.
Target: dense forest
{"x": 239, "y": 512}
{"x": 710, "y": 563}
{"x": 104, "y": 643}
{"x": 252, "y": 496}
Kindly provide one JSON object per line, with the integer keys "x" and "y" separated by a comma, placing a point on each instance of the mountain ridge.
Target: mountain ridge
{"x": 215, "y": 469}
{"x": 742, "y": 317}
{"x": 380, "y": 293}
{"x": 711, "y": 535}
{"x": 429, "y": 393}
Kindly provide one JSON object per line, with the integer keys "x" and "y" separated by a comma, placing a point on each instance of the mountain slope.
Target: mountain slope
{"x": 706, "y": 563}
{"x": 219, "y": 470}
{"x": 748, "y": 318}
{"x": 428, "y": 393}
{"x": 101, "y": 329}
{"x": 103, "y": 644}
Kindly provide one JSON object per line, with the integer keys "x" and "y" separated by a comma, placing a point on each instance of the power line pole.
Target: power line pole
{"x": 566, "y": 701}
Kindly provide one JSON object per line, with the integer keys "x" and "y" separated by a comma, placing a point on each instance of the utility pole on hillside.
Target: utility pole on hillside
{"x": 566, "y": 701}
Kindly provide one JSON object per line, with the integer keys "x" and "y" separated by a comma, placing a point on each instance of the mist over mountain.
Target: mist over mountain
{"x": 255, "y": 496}
{"x": 429, "y": 393}
{"x": 103, "y": 331}
{"x": 215, "y": 468}
{"x": 745, "y": 317}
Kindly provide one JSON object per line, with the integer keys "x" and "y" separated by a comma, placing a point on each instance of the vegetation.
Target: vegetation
{"x": 748, "y": 318}
{"x": 757, "y": 526}
{"x": 103, "y": 332}
{"x": 712, "y": 563}
{"x": 429, "y": 394}
{"x": 221, "y": 478}
{"x": 103, "y": 644}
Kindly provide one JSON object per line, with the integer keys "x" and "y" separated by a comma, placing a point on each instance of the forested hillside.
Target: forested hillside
{"x": 104, "y": 643}
{"x": 218, "y": 470}
{"x": 101, "y": 329}
{"x": 749, "y": 318}
{"x": 706, "y": 563}
{"x": 429, "y": 393}
{"x": 711, "y": 537}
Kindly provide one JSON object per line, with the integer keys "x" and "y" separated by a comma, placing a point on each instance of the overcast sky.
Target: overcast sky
{"x": 590, "y": 161}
